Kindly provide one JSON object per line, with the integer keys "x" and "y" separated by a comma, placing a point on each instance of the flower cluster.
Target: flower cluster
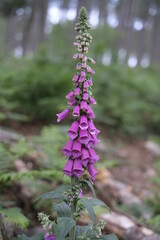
{"x": 80, "y": 149}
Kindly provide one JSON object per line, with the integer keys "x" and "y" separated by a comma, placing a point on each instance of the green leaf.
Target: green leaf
{"x": 87, "y": 204}
{"x": 109, "y": 237}
{"x": 57, "y": 194}
{"x": 63, "y": 227}
{"x": 15, "y": 216}
{"x": 90, "y": 186}
{"x": 63, "y": 210}
{"x": 81, "y": 231}
{"x": 39, "y": 236}
{"x": 97, "y": 202}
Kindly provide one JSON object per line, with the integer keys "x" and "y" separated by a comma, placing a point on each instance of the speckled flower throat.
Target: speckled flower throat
{"x": 80, "y": 149}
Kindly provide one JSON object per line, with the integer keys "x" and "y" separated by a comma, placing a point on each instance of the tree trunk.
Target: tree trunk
{"x": 34, "y": 29}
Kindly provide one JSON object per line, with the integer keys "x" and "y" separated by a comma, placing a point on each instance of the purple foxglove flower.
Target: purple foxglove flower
{"x": 85, "y": 157}
{"x": 92, "y": 100}
{"x": 80, "y": 194}
{"x": 76, "y": 149}
{"x": 91, "y": 115}
{"x": 90, "y": 82}
{"x": 78, "y": 66}
{"x": 84, "y": 59}
{"x": 75, "y": 56}
{"x": 96, "y": 140}
{"x": 72, "y": 102}
{"x": 85, "y": 96}
{"x": 73, "y": 131}
{"x": 93, "y": 61}
{"x": 77, "y": 168}
{"x": 77, "y": 37}
{"x": 87, "y": 43}
{"x": 81, "y": 79}
{"x": 76, "y": 111}
{"x": 84, "y": 65}
{"x": 81, "y": 55}
{"x": 83, "y": 136}
{"x": 63, "y": 115}
{"x": 82, "y": 43}
{"x": 83, "y": 122}
{"x": 77, "y": 91}
{"x": 97, "y": 131}
{"x": 94, "y": 157}
{"x": 92, "y": 71}
{"x": 83, "y": 74}
{"x": 76, "y": 84}
{"x": 85, "y": 86}
{"x": 75, "y": 78}
{"x": 89, "y": 69}
{"x": 68, "y": 168}
{"x": 67, "y": 150}
{"x": 90, "y": 142}
{"x": 89, "y": 110}
{"x": 91, "y": 127}
{"x": 92, "y": 171}
{"x": 83, "y": 106}
{"x": 49, "y": 236}
{"x": 70, "y": 96}
{"x": 86, "y": 49}
{"x": 79, "y": 49}
{"x": 75, "y": 44}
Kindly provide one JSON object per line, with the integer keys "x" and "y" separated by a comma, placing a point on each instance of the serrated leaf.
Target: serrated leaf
{"x": 97, "y": 202}
{"x": 109, "y": 237}
{"x": 90, "y": 186}
{"x": 63, "y": 227}
{"x": 63, "y": 210}
{"x": 56, "y": 194}
{"x": 87, "y": 204}
{"x": 81, "y": 230}
{"x": 39, "y": 236}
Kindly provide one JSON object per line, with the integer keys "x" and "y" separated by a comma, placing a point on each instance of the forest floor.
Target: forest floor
{"x": 127, "y": 160}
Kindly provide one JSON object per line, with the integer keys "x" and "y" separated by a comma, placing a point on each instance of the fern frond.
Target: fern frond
{"x": 14, "y": 216}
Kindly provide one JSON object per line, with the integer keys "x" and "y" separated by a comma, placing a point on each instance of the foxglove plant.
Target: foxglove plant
{"x": 80, "y": 149}
{"x": 80, "y": 153}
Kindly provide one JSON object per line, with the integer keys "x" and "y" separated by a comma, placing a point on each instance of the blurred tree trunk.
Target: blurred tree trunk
{"x": 10, "y": 34}
{"x": 123, "y": 19}
{"x": 130, "y": 34}
{"x": 34, "y": 29}
{"x": 156, "y": 39}
{"x": 142, "y": 41}
{"x": 102, "y": 5}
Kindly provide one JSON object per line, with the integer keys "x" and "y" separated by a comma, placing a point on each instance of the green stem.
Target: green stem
{"x": 73, "y": 210}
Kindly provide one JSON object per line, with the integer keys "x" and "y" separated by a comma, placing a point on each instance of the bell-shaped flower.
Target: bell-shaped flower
{"x": 67, "y": 150}
{"x": 83, "y": 136}
{"x": 84, "y": 106}
{"x": 76, "y": 149}
{"x": 92, "y": 171}
{"x": 70, "y": 96}
{"x": 77, "y": 91}
{"x": 85, "y": 157}
{"x": 68, "y": 168}
{"x": 73, "y": 131}
{"x": 77, "y": 168}
{"x": 92, "y": 101}
{"x": 62, "y": 115}
{"x": 76, "y": 111}
{"x": 85, "y": 96}
{"x": 93, "y": 156}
